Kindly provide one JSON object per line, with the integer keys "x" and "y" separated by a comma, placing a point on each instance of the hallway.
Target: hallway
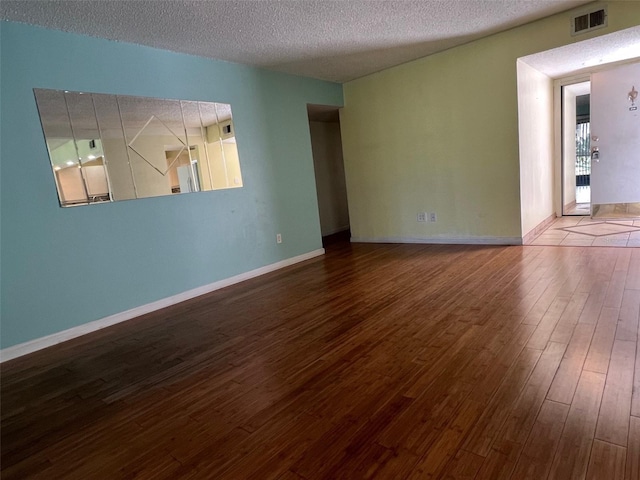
{"x": 583, "y": 231}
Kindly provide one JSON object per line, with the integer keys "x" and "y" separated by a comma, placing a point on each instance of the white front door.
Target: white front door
{"x": 615, "y": 140}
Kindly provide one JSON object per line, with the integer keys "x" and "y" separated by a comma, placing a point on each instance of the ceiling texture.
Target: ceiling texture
{"x": 336, "y": 40}
{"x": 619, "y": 46}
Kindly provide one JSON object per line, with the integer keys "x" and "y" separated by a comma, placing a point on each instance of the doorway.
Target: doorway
{"x": 540, "y": 119}
{"x": 601, "y": 144}
{"x": 328, "y": 164}
{"x": 576, "y": 149}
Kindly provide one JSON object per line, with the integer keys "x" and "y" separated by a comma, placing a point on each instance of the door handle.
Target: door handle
{"x": 595, "y": 154}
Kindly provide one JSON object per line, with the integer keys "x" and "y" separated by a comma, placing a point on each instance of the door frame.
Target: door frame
{"x": 558, "y": 151}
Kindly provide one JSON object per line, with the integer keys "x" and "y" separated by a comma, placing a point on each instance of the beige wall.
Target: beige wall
{"x": 182, "y": 160}
{"x": 225, "y": 164}
{"x": 328, "y": 165}
{"x": 535, "y": 127}
{"x": 118, "y": 169}
{"x": 148, "y": 181}
{"x": 223, "y": 156}
{"x": 440, "y": 134}
{"x": 234, "y": 176}
{"x": 203, "y": 166}
{"x": 71, "y": 187}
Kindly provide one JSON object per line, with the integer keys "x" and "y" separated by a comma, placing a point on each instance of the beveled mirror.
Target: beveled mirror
{"x": 106, "y": 148}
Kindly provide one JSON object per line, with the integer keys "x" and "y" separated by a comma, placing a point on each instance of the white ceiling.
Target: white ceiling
{"x": 588, "y": 54}
{"x": 336, "y": 40}
{"x": 89, "y": 115}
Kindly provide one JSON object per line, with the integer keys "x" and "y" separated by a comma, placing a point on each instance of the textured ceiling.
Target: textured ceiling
{"x": 85, "y": 115}
{"x": 336, "y": 40}
{"x": 576, "y": 57}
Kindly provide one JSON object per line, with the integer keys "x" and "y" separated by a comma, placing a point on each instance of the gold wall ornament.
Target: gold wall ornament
{"x": 632, "y": 95}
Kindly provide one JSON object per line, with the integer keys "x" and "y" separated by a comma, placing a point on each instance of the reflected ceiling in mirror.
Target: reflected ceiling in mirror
{"x": 105, "y": 148}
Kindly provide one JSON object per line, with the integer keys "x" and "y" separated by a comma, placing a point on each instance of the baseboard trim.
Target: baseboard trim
{"x": 31, "y": 346}
{"x": 538, "y": 229}
{"x": 442, "y": 240}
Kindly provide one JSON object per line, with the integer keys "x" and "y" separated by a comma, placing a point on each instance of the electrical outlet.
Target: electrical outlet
{"x": 433, "y": 217}
{"x": 278, "y": 238}
{"x": 422, "y": 217}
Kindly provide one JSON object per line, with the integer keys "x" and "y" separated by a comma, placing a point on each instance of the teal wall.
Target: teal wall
{"x": 62, "y": 267}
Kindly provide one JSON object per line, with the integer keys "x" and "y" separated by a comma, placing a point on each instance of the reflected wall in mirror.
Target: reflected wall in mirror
{"x": 105, "y": 148}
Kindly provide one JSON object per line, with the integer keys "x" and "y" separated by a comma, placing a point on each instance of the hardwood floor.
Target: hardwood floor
{"x": 375, "y": 361}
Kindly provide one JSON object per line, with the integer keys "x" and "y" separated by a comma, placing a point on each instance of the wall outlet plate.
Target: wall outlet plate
{"x": 422, "y": 217}
{"x": 278, "y": 238}
{"x": 433, "y": 217}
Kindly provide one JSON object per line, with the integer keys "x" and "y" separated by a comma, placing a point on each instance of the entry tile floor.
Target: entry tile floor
{"x": 584, "y": 231}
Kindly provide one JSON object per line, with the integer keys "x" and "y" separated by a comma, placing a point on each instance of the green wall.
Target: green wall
{"x": 440, "y": 134}
{"x": 62, "y": 267}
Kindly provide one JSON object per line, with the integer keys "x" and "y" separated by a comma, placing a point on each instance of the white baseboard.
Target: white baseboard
{"x": 15, "y": 351}
{"x": 442, "y": 240}
{"x": 532, "y": 234}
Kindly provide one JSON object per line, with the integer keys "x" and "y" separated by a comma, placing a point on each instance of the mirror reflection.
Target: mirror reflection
{"x": 111, "y": 147}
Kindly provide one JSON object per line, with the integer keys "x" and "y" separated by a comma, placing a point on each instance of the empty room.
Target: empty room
{"x": 320, "y": 239}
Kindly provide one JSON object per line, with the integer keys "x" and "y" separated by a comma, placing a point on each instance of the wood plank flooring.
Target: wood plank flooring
{"x": 374, "y": 361}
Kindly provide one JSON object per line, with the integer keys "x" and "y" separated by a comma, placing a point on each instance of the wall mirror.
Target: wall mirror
{"x": 105, "y": 148}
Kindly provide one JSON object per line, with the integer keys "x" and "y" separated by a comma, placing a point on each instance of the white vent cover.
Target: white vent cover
{"x": 589, "y": 20}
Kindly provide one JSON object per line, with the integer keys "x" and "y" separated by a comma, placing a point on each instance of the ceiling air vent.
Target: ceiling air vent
{"x": 588, "y": 21}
